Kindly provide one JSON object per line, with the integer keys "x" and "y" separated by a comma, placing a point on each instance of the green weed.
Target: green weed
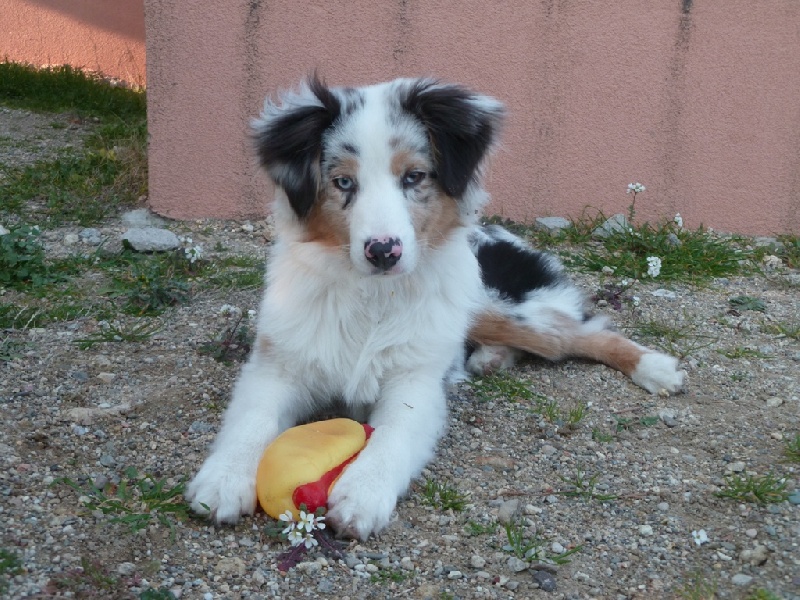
{"x": 22, "y": 259}
{"x": 583, "y": 487}
{"x": 680, "y": 340}
{"x": 136, "y": 500}
{"x": 533, "y": 547}
{"x": 138, "y": 331}
{"x": 474, "y": 529}
{"x": 762, "y": 594}
{"x": 502, "y": 387}
{"x": 443, "y": 496}
{"x": 762, "y": 489}
{"x": 387, "y": 576}
{"x": 741, "y": 352}
{"x": 791, "y": 449}
{"x": 747, "y": 303}
{"x": 232, "y": 345}
{"x": 699, "y": 587}
{"x": 10, "y": 565}
{"x": 788, "y": 329}
{"x": 602, "y": 437}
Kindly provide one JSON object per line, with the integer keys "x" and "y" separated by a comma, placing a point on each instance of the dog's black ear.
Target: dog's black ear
{"x": 462, "y": 127}
{"x": 289, "y": 141}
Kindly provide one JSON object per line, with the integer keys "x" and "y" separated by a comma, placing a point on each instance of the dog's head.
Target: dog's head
{"x": 382, "y": 172}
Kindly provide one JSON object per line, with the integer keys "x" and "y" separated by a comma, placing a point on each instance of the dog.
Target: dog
{"x": 382, "y": 286}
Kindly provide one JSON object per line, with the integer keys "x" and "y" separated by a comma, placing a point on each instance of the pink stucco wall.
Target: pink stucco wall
{"x": 106, "y": 36}
{"x": 697, "y": 99}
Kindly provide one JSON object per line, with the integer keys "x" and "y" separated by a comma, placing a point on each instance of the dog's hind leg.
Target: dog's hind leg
{"x": 558, "y": 336}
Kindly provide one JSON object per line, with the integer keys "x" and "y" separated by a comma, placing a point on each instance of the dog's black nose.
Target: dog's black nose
{"x": 383, "y": 252}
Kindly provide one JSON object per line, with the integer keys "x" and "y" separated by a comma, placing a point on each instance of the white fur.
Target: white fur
{"x": 336, "y": 331}
{"x": 657, "y": 372}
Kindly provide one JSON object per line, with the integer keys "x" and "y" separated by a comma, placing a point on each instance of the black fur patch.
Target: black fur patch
{"x": 460, "y": 130}
{"x": 514, "y": 271}
{"x": 290, "y": 145}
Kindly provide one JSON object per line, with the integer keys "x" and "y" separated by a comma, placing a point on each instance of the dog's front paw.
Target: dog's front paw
{"x": 360, "y": 503}
{"x": 657, "y": 372}
{"x": 223, "y": 491}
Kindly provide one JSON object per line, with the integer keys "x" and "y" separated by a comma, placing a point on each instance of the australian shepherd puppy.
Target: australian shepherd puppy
{"x": 381, "y": 287}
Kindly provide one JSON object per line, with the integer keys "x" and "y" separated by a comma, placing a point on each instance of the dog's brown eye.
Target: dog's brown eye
{"x": 345, "y": 184}
{"x": 413, "y": 178}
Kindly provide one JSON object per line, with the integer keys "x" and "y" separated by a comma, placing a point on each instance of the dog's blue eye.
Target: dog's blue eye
{"x": 344, "y": 184}
{"x": 413, "y": 178}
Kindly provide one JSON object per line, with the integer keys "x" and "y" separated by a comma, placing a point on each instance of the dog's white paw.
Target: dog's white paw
{"x": 360, "y": 503}
{"x": 486, "y": 360}
{"x": 656, "y": 372}
{"x": 224, "y": 491}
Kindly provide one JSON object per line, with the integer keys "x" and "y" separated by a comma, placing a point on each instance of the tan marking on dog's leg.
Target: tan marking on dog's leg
{"x": 609, "y": 348}
{"x": 494, "y": 329}
{"x": 565, "y": 340}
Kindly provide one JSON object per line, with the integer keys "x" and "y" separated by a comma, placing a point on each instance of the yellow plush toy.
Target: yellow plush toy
{"x": 301, "y": 466}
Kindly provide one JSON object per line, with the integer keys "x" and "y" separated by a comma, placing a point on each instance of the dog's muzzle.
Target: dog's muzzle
{"x": 383, "y": 252}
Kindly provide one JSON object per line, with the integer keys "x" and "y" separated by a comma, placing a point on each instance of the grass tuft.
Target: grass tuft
{"x": 443, "y": 496}
{"x": 761, "y": 489}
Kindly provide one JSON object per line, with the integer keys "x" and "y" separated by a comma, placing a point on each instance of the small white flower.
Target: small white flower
{"x": 296, "y": 537}
{"x": 653, "y": 266}
{"x": 310, "y": 541}
{"x": 310, "y": 522}
{"x": 678, "y": 220}
{"x": 636, "y": 188}
{"x": 624, "y": 283}
{"x": 251, "y": 314}
{"x": 193, "y": 253}
{"x": 700, "y": 537}
{"x": 636, "y": 300}
{"x": 229, "y": 309}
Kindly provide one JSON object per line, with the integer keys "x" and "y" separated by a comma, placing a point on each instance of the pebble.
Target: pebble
{"x": 455, "y": 575}
{"x": 71, "y": 239}
{"x": 508, "y": 511}
{"x": 663, "y": 506}
{"x": 751, "y": 533}
{"x": 756, "y": 556}
{"x": 557, "y": 548}
{"x": 614, "y": 224}
{"x": 517, "y": 564}
{"x": 106, "y": 377}
{"x": 551, "y": 223}
{"x": 150, "y": 239}
{"x": 736, "y": 467}
{"x": 91, "y": 236}
{"x": 774, "y": 402}
{"x": 141, "y": 217}
{"x": 546, "y": 581}
{"x": 794, "y": 497}
{"x": 741, "y": 579}
{"x": 662, "y": 293}
{"x": 477, "y": 562}
{"x": 645, "y": 530}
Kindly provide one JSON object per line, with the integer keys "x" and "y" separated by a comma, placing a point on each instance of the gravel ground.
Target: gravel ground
{"x": 156, "y": 406}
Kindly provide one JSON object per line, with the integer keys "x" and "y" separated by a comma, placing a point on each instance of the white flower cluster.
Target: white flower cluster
{"x": 636, "y": 188}
{"x": 678, "y": 220}
{"x": 653, "y": 266}
{"x": 302, "y": 531}
{"x": 192, "y": 253}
